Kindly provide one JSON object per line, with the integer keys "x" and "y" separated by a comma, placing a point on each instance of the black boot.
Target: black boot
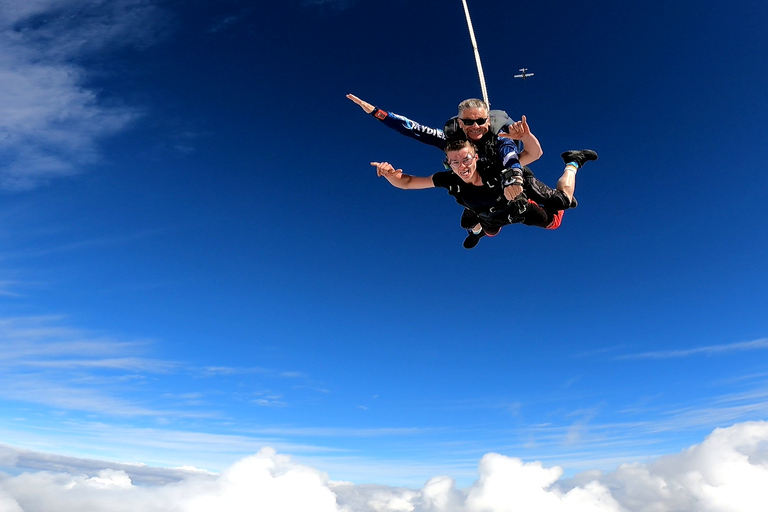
{"x": 472, "y": 239}
{"x": 579, "y": 156}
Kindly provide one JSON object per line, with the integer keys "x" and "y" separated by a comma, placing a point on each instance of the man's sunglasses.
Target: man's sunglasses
{"x": 470, "y": 122}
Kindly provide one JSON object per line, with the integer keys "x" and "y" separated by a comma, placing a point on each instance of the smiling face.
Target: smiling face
{"x": 464, "y": 163}
{"x": 474, "y": 131}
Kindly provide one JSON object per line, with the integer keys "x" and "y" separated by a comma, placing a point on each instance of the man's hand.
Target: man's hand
{"x": 363, "y": 104}
{"x": 386, "y": 170}
{"x": 512, "y": 191}
{"x": 517, "y": 130}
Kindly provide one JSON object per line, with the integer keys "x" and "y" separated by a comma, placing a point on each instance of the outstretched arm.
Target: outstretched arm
{"x": 367, "y": 107}
{"x": 402, "y": 124}
{"x": 401, "y": 180}
{"x": 519, "y": 130}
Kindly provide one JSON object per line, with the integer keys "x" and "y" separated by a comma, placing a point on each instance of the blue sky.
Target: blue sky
{"x": 197, "y": 260}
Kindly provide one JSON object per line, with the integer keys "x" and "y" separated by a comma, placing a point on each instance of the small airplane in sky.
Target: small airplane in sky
{"x": 524, "y": 73}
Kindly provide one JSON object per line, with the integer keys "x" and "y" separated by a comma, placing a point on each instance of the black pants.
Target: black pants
{"x": 550, "y": 199}
{"x": 519, "y": 211}
{"x": 548, "y": 202}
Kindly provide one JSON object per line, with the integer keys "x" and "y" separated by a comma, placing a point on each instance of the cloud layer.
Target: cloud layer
{"x": 727, "y": 472}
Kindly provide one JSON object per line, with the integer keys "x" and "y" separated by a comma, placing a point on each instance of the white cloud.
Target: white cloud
{"x": 508, "y": 484}
{"x": 727, "y": 472}
{"x": 50, "y": 122}
{"x": 266, "y": 481}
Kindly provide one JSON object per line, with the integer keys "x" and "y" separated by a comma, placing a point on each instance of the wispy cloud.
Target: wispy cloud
{"x": 705, "y": 350}
{"x": 157, "y": 445}
{"x": 117, "y": 363}
{"x": 339, "y": 432}
{"x": 232, "y": 370}
{"x": 48, "y": 392}
{"x": 5, "y": 287}
{"x": 80, "y": 245}
{"x": 339, "y": 5}
{"x": 24, "y": 339}
{"x": 45, "y": 362}
{"x": 223, "y": 23}
{"x": 50, "y": 121}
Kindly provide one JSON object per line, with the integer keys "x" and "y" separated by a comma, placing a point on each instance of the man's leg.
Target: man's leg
{"x": 574, "y": 160}
{"x": 535, "y": 215}
{"x": 567, "y": 182}
{"x": 550, "y": 199}
{"x": 471, "y": 222}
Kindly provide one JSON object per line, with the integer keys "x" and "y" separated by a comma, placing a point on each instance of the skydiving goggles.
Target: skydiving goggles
{"x": 466, "y": 161}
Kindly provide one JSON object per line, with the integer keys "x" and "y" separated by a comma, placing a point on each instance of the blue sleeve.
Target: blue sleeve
{"x": 508, "y": 153}
{"x": 410, "y": 128}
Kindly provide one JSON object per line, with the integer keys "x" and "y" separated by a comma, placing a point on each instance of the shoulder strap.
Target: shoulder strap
{"x": 452, "y": 130}
{"x": 499, "y": 119}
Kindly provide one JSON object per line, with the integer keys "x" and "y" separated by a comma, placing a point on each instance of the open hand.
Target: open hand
{"x": 363, "y": 104}
{"x": 385, "y": 169}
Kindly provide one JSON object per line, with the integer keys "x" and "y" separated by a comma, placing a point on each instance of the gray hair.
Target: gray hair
{"x": 473, "y": 103}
